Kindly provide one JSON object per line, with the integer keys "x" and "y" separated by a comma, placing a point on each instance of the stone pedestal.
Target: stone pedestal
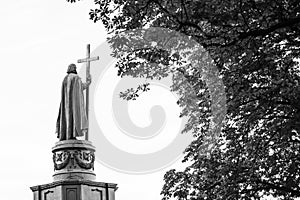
{"x": 74, "y": 190}
{"x": 73, "y": 159}
{"x": 74, "y": 175}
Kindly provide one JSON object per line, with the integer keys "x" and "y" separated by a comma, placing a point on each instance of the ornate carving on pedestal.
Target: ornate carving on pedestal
{"x": 61, "y": 159}
{"x": 73, "y": 159}
{"x": 83, "y": 159}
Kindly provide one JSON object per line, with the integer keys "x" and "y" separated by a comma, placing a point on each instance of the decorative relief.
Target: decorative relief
{"x": 73, "y": 159}
{"x": 84, "y": 159}
{"x": 61, "y": 159}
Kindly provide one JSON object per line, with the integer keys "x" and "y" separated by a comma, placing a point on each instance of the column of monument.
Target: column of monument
{"x": 73, "y": 158}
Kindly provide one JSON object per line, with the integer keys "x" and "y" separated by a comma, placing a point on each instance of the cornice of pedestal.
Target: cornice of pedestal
{"x": 73, "y": 144}
{"x": 74, "y": 182}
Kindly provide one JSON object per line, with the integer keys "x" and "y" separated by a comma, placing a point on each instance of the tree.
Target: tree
{"x": 256, "y": 46}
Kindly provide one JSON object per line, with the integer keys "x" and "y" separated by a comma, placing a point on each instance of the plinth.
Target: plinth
{"x": 74, "y": 177}
{"x": 73, "y": 159}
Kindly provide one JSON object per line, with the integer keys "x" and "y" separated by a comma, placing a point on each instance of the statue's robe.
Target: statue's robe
{"x": 72, "y": 119}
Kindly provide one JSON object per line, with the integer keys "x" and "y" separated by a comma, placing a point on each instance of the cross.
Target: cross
{"x": 88, "y": 59}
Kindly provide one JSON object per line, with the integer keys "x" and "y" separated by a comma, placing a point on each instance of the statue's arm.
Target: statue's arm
{"x": 87, "y": 83}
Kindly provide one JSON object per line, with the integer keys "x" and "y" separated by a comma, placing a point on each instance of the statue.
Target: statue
{"x": 72, "y": 119}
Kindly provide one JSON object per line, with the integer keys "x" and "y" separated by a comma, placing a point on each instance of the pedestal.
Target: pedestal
{"x": 74, "y": 176}
{"x": 73, "y": 159}
{"x": 74, "y": 190}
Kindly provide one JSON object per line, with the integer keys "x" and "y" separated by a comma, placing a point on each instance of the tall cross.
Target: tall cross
{"x": 88, "y": 59}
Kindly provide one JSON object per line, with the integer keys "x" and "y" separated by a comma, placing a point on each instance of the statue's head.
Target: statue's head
{"x": 72, "y": 69}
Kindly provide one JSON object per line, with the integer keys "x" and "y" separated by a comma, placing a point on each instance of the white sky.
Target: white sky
{"x": 38, "y": 40}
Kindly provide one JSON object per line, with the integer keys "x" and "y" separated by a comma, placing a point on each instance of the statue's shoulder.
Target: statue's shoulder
{"x": 72, "y": 76}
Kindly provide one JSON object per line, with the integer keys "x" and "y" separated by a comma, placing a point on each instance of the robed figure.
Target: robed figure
{"x": 72, "y": 119}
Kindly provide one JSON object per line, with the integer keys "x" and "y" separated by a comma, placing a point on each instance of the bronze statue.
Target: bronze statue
{"x": 72, "y": 119}
{"x": 73, "y": 114}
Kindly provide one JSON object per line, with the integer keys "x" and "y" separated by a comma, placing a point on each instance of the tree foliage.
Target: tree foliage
{"x": 256, "y": 46}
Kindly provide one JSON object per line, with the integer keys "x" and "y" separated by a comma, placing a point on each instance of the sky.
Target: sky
{"x": 39, "y": 39}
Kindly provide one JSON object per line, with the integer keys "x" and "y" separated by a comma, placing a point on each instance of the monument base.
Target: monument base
{"x": 73, "y": 159}
{"x": 74, "y": 177}
{"x": 74, "y": 190}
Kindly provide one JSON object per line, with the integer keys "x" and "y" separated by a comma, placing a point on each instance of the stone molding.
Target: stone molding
{"x": 74, "y": 182}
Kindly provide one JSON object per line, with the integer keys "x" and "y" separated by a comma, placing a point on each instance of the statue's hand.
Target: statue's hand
{"x": 89, "y": 79}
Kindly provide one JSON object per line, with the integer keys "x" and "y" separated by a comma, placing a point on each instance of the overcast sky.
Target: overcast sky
{"x": 39, "y": 39}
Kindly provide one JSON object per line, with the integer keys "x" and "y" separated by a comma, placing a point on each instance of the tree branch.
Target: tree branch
{"x": 263, "y": 32}
{"x": 281, "y": 188}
